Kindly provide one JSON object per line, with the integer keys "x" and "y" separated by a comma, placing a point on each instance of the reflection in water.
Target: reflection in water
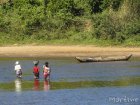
{"x": 46, "y": 85}
{"x": 36, "y": 84}
{"x": 18, "y": 87}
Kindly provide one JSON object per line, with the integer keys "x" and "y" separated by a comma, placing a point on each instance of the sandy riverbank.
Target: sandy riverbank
{"x": 65, "y": 51}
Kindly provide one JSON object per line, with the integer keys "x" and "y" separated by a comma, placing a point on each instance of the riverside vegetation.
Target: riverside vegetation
{"x": 100, "y": 22}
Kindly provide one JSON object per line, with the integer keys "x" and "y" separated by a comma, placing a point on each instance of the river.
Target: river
{"x": 71, "y": 83}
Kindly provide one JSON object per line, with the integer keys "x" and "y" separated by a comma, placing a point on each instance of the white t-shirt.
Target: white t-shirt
{"x": 47, "y": 68}
{"x": 17, "y": 68}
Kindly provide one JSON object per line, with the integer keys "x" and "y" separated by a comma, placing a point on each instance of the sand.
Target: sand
{"x": 65, "y": 51}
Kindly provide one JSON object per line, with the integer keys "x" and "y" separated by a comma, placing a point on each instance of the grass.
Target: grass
{"x": 96, "y": 42}
{"x": 10, "y": 40}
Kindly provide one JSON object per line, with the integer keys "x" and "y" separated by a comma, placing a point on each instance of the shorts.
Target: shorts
{"x": 19, "y": 72}
{"x": 36, "y": 75}
{"x": 46, "y": 75}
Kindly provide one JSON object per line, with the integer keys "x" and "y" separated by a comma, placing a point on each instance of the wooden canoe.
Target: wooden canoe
{"x": 104, "y": 59}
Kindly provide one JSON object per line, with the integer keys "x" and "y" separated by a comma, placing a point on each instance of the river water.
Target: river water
{"x": 71, "y": 83}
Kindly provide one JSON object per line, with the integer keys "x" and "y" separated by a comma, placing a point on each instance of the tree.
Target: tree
{"x": 10, "y": 3}
{"x": 45, "y": 6}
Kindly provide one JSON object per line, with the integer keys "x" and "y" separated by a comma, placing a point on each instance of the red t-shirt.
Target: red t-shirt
{"x": 36, "y": 69}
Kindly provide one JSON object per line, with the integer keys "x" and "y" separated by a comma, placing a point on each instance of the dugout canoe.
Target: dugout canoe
{"x": 104, "y": 59}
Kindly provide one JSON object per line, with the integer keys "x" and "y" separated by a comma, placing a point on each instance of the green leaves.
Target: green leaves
{"x": 70, "y": 19}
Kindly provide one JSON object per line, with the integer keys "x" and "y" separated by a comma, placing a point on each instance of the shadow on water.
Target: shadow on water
{"x": 19, "y": 85}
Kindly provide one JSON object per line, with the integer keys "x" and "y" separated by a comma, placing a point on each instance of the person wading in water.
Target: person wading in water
{"x": 18, "y": 69}
{"x": 46, "y": 71}
{"x": 36, "y": 70}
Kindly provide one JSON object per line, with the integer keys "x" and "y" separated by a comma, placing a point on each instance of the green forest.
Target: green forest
{"x": 99, "y": 22}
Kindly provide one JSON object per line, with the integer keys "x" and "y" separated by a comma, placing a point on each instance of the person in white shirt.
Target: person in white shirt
{"x": 18, "y": 69}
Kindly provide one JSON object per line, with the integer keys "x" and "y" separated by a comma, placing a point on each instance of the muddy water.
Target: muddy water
{"x": 72, "y": 83}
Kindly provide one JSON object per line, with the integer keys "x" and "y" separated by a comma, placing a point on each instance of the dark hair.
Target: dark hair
{"x": 36, "y": 64}
{"x": 46, "y": 63}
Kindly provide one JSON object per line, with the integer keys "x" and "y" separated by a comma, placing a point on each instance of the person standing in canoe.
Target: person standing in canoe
{"x": 36, "y": 69}
{"x": 46, "y": 71}
{"x": 18, "y": 69}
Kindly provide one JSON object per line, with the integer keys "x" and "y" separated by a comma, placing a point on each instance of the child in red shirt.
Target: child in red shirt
{"x": 36, "y": 71}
